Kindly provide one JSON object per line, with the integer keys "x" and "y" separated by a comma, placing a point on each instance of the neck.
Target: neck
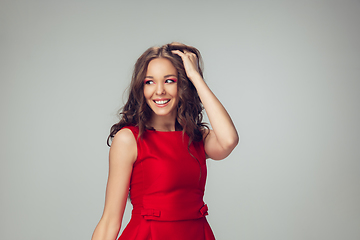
{"x": 163, "y": 123}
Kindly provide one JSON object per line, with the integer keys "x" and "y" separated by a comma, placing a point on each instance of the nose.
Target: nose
{"x": 160, "y": 89}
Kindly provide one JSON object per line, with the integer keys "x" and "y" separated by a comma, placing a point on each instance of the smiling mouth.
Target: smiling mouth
{"x": 161, "y": 101}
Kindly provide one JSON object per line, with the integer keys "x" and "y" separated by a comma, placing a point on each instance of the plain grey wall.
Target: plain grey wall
{"x": 287, "y": 71}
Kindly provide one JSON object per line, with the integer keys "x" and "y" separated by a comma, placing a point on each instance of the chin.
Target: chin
{"x": 162, "y": 111}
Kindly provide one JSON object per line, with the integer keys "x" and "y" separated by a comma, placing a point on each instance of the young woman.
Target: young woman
{"x": 159, "y": 149}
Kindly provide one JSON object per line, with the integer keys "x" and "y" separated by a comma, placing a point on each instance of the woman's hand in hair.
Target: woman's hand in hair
{"x": 190, "y": 61}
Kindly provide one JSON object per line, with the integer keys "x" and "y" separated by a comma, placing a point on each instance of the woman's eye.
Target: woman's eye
{"x": 149, "y": 81}
{"x": 170, "y": 80}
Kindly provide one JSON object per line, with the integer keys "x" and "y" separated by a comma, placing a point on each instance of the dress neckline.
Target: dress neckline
{"x": 154, "y": 130}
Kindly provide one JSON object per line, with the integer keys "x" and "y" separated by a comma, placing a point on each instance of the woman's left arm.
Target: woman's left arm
{"x": 223, "y": 138}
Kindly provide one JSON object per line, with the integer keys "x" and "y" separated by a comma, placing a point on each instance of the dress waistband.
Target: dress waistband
{"x": 173, "y": 214}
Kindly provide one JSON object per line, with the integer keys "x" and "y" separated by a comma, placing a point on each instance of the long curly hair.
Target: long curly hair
{"x": 136, "y": 112}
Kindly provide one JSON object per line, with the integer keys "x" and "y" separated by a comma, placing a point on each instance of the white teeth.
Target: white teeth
{"x": 162, "y": 101}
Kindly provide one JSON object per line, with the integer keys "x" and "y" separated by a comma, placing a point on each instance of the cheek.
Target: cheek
{"x": 147, "y": 93}
{"x": 173, "y": 91}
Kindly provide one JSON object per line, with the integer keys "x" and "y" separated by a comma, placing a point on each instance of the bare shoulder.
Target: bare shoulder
{"x": 124, "y": 145}
{"x": 124, "y": 136}
{"x": 205, "y": 133}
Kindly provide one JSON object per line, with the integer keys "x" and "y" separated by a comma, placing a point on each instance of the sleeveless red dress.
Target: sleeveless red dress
{"x": 166, "y": 189}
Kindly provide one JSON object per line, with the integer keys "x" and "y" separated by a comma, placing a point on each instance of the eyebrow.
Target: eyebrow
{"x": 166, "y": 76}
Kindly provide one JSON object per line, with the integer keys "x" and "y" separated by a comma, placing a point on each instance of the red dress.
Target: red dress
{"x": 166, "y": 189}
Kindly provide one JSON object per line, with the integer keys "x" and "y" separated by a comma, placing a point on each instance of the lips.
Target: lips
{"x": 161, "y": 102}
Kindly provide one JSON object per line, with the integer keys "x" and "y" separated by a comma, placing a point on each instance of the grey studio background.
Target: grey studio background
{"x": 288, "y": 72}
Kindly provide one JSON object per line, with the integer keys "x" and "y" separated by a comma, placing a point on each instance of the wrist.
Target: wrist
{"x": 195, "y": 77}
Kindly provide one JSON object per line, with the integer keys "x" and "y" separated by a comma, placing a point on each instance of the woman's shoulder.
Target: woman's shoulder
{"x": 205, "y": 132}
{"x": 126, "y": 135}
{"x": 134, "y": 129}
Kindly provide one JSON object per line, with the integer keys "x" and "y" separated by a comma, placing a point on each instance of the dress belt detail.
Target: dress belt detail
{"x": 165, "y": 215}
{"x": 150, "y": 212}
{"x": 204, "y": 210}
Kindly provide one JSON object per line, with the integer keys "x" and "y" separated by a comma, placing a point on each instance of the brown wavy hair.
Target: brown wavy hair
{"x": 136, "y": 112}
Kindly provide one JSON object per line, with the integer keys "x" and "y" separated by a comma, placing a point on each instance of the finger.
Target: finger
{"x": 189, "y": 53}
{"x": 179, "y": 53}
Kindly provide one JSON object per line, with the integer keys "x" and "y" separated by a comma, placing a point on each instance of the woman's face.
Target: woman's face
{"x": 160, "y": 87}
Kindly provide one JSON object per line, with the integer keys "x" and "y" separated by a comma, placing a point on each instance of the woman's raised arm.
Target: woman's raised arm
{"x": 123, "y": 153}
{"x": 223, "y": 138}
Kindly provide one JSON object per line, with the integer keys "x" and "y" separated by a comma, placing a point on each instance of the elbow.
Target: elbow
{"x": 231, "y": 143}
{"x": 225, "y": 149}
{"x": 221, "y": 148}
{"x": 228, "y": 146}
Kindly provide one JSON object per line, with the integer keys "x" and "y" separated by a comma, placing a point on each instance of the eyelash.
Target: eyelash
{"x": 172, "y": 80}
{"x": 149, "y": 81}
